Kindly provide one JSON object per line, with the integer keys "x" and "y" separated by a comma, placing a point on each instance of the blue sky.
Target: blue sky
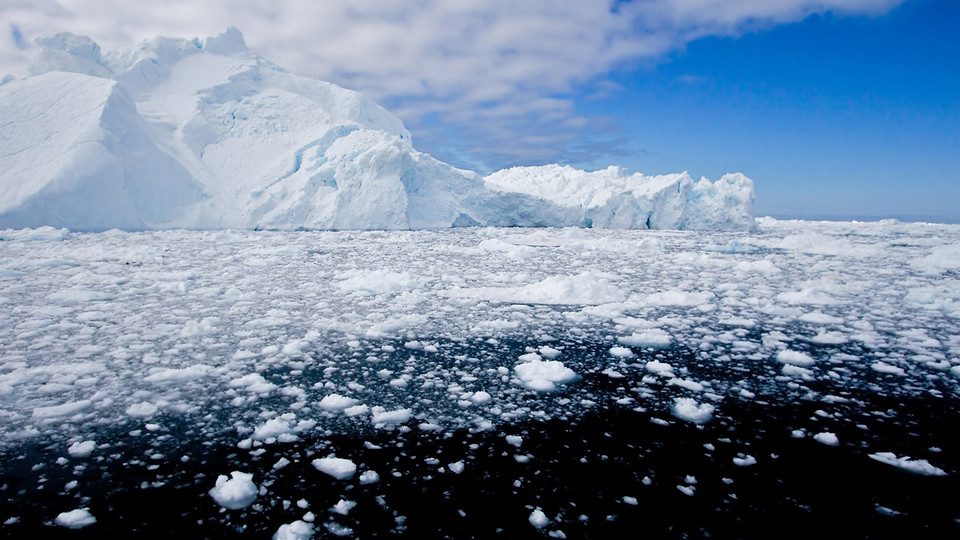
{"x": 832, "y": 116}
{"x": 845, "y": 108}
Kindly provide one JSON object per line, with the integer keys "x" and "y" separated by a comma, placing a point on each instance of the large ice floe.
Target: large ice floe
{"x": 460, "y": 382}
{"x": 204, "y": 134}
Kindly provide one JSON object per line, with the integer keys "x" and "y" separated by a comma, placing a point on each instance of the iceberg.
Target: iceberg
{"x": 205, "y": 134}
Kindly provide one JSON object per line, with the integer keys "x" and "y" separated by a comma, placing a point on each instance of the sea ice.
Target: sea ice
{"x": 235, "y": 493}
{"x": 339, "y": 468}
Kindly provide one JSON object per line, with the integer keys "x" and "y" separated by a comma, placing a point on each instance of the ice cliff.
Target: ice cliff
{"x": 180, "y": 133}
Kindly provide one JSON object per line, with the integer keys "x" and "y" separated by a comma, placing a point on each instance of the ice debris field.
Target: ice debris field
{"x": 468, "y": 382}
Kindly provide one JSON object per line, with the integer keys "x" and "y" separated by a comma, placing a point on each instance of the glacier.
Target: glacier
{"x": 205, "y": 134}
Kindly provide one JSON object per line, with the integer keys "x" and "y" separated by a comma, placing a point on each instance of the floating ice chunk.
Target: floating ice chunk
{"x": 298, "y": 530}
{"x": 343, "y": 507}
{"x": 336, "y": 402}
{"x": 630, "y": 500}
{"x": 540, "y": 375}
{"x": 743, "y": 460}
{"x": 235, "y": 493}
{"x": 653, "y": 337}
{"x": 884, "y": 367}
{"x": 538, "y": 519}
{"x": 808, "y": 297}
{"x": 339, "y": 468}
{"x": 456, "y": 467}
{"x": 687, "y": 383}
{"x": 621, "y": 352}
{"x": 383, "y": 416}
{"x": 795, "y": 358}
{"x": 514, "y": 440}
{"x": 75, "y": 519}
{"x": 940, "y": 259}
{"x": 272, "y": 428}
{"x": 481, "y": 397}
{"x": 356, "y": 410}
{"x": 338, "y": 530}
{"x": 175, "y": 375}
{"x": 827, "y": 438}
{"x": 762, "y": 266}
{"x": 660, "y": 368}
{"x": 819, "y": 317}
{"x": 588, "y": 288}
{"x": 378, "y": 282}
{"x": 679, "y": 298}
{"x": 797, "y": 371}
{"x": 253, "y": 382}
{"x": 58, "y": 411}
{"x": 548, "y": 352}
{"x": 829, "y": 338}
{"x": 915, "y": 466}
{"x": 81, "y": 449}
{"x": 688, "y": 409}
{"x": 612, "y": 373}
{"x": 369, "y": 477}
{"x": 142, "y": 409}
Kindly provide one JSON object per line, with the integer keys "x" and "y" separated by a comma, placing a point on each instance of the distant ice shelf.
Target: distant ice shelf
{"x": 204, "y": 134}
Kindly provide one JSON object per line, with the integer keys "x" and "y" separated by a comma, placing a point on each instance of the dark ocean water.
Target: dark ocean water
{"x": 596, "y": 468}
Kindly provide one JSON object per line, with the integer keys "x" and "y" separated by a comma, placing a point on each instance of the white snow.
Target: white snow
{"x": 915, "y": 466}
{"x": 75, "y": 519}
{"x": 178, "y": 133}
{"x": 339, "y": 468}
{"x": 235, "y": 493}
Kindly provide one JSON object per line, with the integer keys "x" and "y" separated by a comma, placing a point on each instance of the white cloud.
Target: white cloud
{"x": 497, "y": 75}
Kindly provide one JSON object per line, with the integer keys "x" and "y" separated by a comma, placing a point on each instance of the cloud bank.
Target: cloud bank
{"x": 481, "y": 83}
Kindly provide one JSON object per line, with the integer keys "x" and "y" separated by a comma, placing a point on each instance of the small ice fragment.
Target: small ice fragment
{"x": 915, "y": 466}
{"x": 343, "y": 507}
{"x": 630, "y": 500}
{"x": 795, "y": 358}
{"x": 827, "y": 438}
{"x": 456, "y": 467}
{"x": 538, "y": 519}
{"x": 75, "y": 519}
{"x": 339, "y": 468}
{"x": 369, "y": 477}
{"x": 298, "y": 530}
{"x": 81, "y": 449}
{"x": 884, "y": 367}
{"x": 688, "y": 409}
{"x": 336, "y": 402}
{"x": 235, "y": 493}
{"x": 481, "y": 397}
{"x": 744, "y": 460}
{"x": 515, "y": 440}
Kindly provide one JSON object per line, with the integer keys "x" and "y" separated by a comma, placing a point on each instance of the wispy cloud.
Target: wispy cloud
{"x": 490, "y": 80}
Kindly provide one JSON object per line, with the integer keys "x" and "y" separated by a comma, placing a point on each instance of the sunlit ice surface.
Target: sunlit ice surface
{"x": 474, "y": 382}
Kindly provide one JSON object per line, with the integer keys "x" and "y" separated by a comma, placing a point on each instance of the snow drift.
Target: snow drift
{"x": 180, "y": 133}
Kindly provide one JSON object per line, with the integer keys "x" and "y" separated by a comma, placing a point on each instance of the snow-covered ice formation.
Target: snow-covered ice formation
{"x": 204, "y": 134}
